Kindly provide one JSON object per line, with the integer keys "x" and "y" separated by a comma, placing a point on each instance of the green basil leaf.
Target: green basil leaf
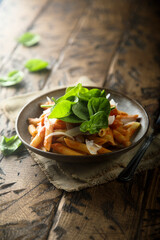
{"x": 61, "y": 109}
{"x": 12, "y": 78}
{"x": 29, "y": 39}
{"x": 98, "y": 104}
{"x": 80, "y": 110}
{"x": 73, "y": 91}
{"x": 97, "y": 121}
{"x": 35, "y": 65}
{"x": 86, "y": 95}
{"x": 9, "y": 145}
{"x": 72, "y": 119}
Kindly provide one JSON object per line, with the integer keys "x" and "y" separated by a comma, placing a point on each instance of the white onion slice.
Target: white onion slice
{"x": 59, "y": 133}
{"x": 111, "y": 119}
{"x": 92, "y": 147}
{"x": 49, "y": 99}
{"x": 74, "y": 131}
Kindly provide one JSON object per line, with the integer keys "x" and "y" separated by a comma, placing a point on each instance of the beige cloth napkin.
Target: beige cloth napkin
{"x": 74, "y": 177}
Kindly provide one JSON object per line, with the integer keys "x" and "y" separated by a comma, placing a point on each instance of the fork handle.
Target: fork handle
{"x": 128, "y": 172}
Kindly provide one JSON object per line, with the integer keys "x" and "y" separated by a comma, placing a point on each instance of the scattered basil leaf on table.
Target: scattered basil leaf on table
{"x": 12, "y": 78}
{"x": 29, "y": 39}
{"x": 34, "y": 65}
{"x": 91, "y": 108}
{"x": 9, "y": 145}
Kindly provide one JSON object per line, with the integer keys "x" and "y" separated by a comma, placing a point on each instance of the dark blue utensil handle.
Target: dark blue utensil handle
{"x": 128, "y": 172}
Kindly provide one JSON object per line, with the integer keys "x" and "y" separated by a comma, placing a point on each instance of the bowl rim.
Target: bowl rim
{"x": 58, "y": 155}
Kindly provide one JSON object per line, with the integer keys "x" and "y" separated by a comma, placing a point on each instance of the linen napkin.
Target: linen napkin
{"x": 74, "y": 177}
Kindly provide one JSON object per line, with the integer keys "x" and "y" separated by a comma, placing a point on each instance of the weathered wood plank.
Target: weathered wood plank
{"x": 105, "y": 212}
{"x": 14, "y": 21}
{"x": 54, "y": 25}
{"x": 135, "y": 67}
{"x": 92, "y": 44}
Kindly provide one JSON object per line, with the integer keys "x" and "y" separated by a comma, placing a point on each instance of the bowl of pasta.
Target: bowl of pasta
{"x": 82, "y": 124}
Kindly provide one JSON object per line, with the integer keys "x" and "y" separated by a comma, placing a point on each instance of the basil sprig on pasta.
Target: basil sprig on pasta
{"x": 90, "y": 108}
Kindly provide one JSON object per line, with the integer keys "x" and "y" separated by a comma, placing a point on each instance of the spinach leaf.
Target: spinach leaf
{"x": 72, "y": 119}
{"x": 97, "y": 121}
{"x": 61, "y": 109}
{"x": 12, "y": 78}
{"x": 80, "y": 110}
{"x": 35, "y": 65}
{"x": 98, "y": 104}
{"x": 72, "y": 91}
{"x": 29, "y": 39}
{"x": 86, "y": 95}
{"x": 9, "y": 145}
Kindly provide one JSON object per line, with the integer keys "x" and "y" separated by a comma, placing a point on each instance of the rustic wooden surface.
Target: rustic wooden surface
{"x": 116, "y": 44}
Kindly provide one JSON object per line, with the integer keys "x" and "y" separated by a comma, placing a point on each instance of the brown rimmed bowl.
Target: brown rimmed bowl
{"x": 33, "y": 110}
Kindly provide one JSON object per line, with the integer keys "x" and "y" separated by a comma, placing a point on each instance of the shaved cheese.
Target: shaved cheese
{"x": 58, "y": 134}
{"x": 113, "y": 103}
{"x": 111, "y": 119}
{"x": 92, "y": 147}
{"x": 108, "y": 95}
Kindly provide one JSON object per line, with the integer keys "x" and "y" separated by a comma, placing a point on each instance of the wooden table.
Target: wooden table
{"x": 116, "y": 44}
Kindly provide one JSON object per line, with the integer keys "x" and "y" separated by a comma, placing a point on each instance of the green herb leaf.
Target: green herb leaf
{"x": 80, "y": 110}
{"x": 12, "y": 78}
{"x": 61, "y": 109}
{"x": 86, "y": 95}
{"x": 72, "y": 119}
{"x": 71, "y": 92}
{"x": 29, "y": 39}
{"x": 97, "y": 121}
{"x": 9, "y": 145}
{"x": 35, "y": 65}
{"x": 98, "y": 104}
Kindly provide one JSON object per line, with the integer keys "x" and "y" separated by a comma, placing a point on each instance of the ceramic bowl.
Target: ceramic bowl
{"x": 32, "y": 109}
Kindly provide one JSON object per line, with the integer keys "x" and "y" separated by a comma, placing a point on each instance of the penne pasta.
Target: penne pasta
{"x": 32, "y": 130}
{"x": 82, "y": 124}
{"x": 38, "y": 139}
{"x": 48, "y": 131}
{"x": 60, "y": 148}
{"x": 121, "y": 138}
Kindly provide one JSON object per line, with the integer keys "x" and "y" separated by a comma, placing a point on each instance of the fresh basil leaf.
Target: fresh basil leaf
{"x": 86, "y": 95}
{"x": 71, "y": 92}
{"x": 12, "y": 78}
{"x": 80, "y": 110}
{"x": 72, "y": 119}
{"x": 73, "y": 99}
{"x": 35, "y": 65}
{"x": 97, "y": 121}
{"x": 98, "y": 104}
{"x": 61, "y": 109}
{"x": 29, "y": 39}
{"x": 9, "y": 145}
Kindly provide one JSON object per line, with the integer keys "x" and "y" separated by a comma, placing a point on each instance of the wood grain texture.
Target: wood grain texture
{"x": 115, "y": 43}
